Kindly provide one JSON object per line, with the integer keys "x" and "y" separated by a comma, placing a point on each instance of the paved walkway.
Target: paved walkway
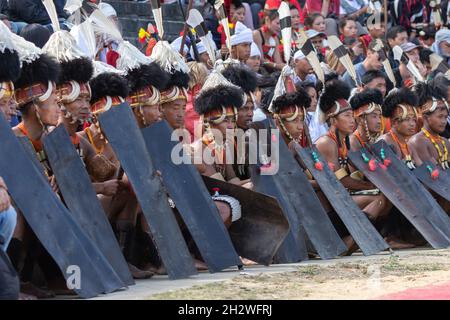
{"x": 159, "y": 284}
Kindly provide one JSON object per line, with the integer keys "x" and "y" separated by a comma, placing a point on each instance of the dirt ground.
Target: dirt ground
{"x": 359, "y": 279}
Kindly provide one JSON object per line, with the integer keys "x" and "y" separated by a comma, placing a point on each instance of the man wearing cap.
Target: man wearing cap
{"x": 203, "y": 56}
{"x": 254, "y": 61}
{"x": 176, "y": 46}
{"x": 317, "y": 39}
{"x": 412, "y": 51}
{"x": 303, "y": 69}
{"x": 241, "y": 42}
{"x": 371, "y": 62}
{"x": 442, "y": 44}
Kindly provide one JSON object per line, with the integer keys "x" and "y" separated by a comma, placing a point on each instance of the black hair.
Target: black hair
{"x": 424, "y": 54}
{"x": 394, "y": 31}
{"x": 309, "y": 20}
{"x": 370, "y": 75}
{"x": 36, "y": 33}
{"x": 343, "y": 22}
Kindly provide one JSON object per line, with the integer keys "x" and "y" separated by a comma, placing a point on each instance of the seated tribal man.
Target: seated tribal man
{"x": 428, "y": 143}
{"x": 174, "y": 94}
{"x": 246, "y": 79}
{"x": 109, "y": 90}
{"x": 217, "y": 104}
{"x": 400, "y": 106}
{"x": 145, "y": 83}
{"x": 9, "y": 71}
{"x": 334, "y": 148}
{"x": 37, "y": 101}
{"x": 289, "y": 112}
{"x": 367, "y": 111}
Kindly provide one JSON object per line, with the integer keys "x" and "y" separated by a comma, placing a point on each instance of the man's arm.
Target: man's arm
{"x": 5, "y": 201}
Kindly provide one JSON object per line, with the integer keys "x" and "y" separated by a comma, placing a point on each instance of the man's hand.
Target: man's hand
{"x": 111, "y": 187}
{"x": 53, "y": 184}
{"x": 5, "y": 201}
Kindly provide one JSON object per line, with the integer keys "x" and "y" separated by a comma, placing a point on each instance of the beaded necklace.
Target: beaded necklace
{"x": 342, "y": 149}
{"x": 443, "y": 156}
{"x": 406, "y": 155}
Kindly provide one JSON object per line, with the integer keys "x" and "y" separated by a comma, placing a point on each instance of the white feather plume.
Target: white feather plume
{"x": 157, "y": 15}
{"x": 130, "y": 57}
{"x": 219, "y": 6}
{"x": 168, "y": 59}
{"x": 51, "y": 10}
{"x": 195, "y": 19}
{"x": 104, "y": 26}
{"x": 286, "y": 33}
{"x": 335, "y": 43}
{"x": 62, "y": 46}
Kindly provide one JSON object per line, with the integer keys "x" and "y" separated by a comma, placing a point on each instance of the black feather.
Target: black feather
{"x": 148, "y": 75}
{"x": 178, "y": 79}
{"x": 9, "y": 66}
{"x": 427, "y": 91}
{"x": 41, "y": 70}
{"x": 396, "y": 97}
{"x": 79, "y": 70}
{"x": 108, "y": 84}
{"x": 365, "y": 97}
{"x": 334, "y": 90}
{"x": 242, "y": 77}
{"x": 299, "y": 98}
{"x": 218, "y": 97}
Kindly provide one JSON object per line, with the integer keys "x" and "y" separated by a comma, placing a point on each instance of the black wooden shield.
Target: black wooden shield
{"x": 187, "y": 190}
{"x": 79, "y": 195}
{"x": 52, "y": 223}
{"x": 441, "y": 185}
{"x": 9, "y": 280}
{"x": 357, "y": 223}
{"x": 297, "y": 188}
{"x": 400, "y": 186}
{"x": 122, "y": 132}
{"x": 262, "y": 227}
{"x": 28, "y": 146}
{"x": 293, "y": 249}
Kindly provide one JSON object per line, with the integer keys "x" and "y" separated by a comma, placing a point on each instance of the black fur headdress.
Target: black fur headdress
{"x": 427, "y": 91}
{"x": 396, "y": 97}
{"x": 79, "y": 70}
{"x": 334, "y": 90}
{"x": 108, "y": 84}
{"x": 242, "y": 77}
{"x": 220, "y": 96}
{"x": 148, "y": 75}
{"x": 299, "y": 98}
{"x": 41, "y": 70}
{"x": 9, "y": 65}
{"x": 365, "y": 97}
